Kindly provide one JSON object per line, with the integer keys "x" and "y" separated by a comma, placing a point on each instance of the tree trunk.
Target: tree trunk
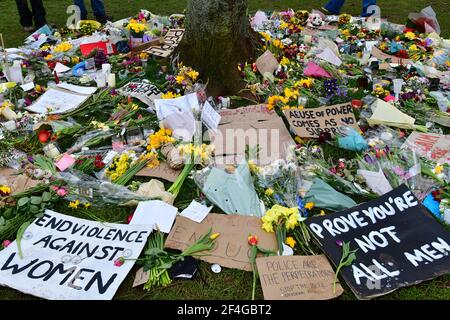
{"x": 218, "y": 36}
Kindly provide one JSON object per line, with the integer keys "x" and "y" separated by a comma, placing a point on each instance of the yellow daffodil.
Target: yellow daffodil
{"x": 87, "y": 205}
{"x": 269, "y": 192}
{"x": 285, "y": 61}
{"x": 309, "y": 205}
{"x": 410, "y": 35}
{"x": 170, "y": 95}
{"x": 214, "y": 236}
{"x": 291, "y": 242}
{"x": 74, "y": 204}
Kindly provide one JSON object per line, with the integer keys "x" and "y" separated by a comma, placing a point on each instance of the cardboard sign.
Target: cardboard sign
{"x": 398, "y": 242}
{"x": 17, "y": 183}
{"x": 267, "y": 63}
{"x": 297, "y": 278}
{"x": 377, "y": 53}
{"x": 66, "y": 258}
{"x": 232, "y": 249}
{"x": 162, "y": 171}
{"x": 143, "y": 91}
{"x": 250, "y": 126}
{"x": 171, "y": 40}
{"x": 310, "y": 123}
{"x": 430, "y": 145}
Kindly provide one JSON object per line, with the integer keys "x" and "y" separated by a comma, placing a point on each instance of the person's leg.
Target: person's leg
{"x": 38, "y": 13}
{"x": 98, "y": 8}
{"x": 26, "y": 18}
{"x": 335, "y": 6}
{"x": 83, "y": 11}
{"x": 366, "y": 5}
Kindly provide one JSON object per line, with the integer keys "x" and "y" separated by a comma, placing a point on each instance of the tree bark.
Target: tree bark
{"x": 218, "y": 36}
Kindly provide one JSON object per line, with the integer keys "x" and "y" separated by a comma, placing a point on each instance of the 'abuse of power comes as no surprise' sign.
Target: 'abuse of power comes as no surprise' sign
{"x": 66, "y": 258}
{"x": 398, "y": 243}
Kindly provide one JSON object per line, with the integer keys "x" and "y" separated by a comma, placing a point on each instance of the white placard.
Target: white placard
{"x": 196, "y": 211}
{"x": 66, "y": 258}
{"x": 156, "y": 214}
{"x": 27, "y": 86}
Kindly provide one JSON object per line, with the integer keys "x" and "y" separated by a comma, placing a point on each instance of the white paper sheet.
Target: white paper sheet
{"x": 60, "y": 68}
{"x": 56, "y": 102}
{"x": 77, "y": 89}
{"x": 155, "y": 213}
{"x": 328, "y": 55}
{"x": 196, "y": 211}
{"x": 376, "y": 181}
{"x": 210, "y": 117}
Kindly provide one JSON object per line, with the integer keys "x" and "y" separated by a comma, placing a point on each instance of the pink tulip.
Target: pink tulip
{"x": 6, "y": 243}
{"x": 61, "y": 192}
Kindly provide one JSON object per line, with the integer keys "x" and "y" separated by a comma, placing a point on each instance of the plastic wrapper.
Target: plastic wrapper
{"x": 97, "y": 192}
{"x": 231, "y": 190}
{"x": 383, "y": 136}
{"x": 91, "y": 138}
{"x": 426, "y": 21}
{"x": 325, "y": 197}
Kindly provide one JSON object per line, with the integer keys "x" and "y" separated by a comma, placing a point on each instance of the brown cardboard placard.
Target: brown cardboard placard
{"x": 377, "y": 53}
{"x": 253, "y": 126}
{"x": 163, "y": 171}
{"x": 309, "y": 123}
{"x": 146, "y": 45}
{"x": 297, "y": 278}
{"x": 267, "y": 63}
{"x": 140, "y": 278}
{"x": 17, "y": 183}
{"x": 231, "y": 247}
{"x": 171, "y": 40}
{"x": 433, "y": 146}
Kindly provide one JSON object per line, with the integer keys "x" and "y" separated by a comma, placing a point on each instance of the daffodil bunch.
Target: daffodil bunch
{"x": 137, "y": 29}
{"x": 62, "y": 47}
{"x": 186, "y": 76}
{"x": 159, "y": 139}
{"x": 119, "y": 166}
{"x": 170, "y": 95}
{"x": 198, "y": 154}
{"x": 280, "y": 219}
{"x": 344, "y": 19}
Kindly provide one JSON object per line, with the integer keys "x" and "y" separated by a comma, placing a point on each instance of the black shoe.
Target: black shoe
{"x": 104, "y": 19}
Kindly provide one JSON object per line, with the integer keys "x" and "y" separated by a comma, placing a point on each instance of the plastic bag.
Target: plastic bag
{"x": 426, "y": 20}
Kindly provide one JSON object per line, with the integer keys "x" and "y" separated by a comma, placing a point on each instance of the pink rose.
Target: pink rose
{"x": 119, "y": 262}
{"x": 6, "y": 243}
{"x": 54, "y": 188}
{"x": 61, "y": 192}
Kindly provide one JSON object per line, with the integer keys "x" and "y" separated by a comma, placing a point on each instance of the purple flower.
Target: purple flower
{"x": 339, "y": 243}
{"x": 369, "y": 159}
{"x": 30, "y": 159}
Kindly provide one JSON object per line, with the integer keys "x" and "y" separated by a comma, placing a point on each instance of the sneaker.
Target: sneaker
{"x": 328, "y": 12}
{"x": 28, "y": 29}
{"x": 104, "y": 19}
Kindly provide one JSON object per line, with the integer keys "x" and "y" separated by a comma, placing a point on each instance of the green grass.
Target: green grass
{"x": 229, "y": 284}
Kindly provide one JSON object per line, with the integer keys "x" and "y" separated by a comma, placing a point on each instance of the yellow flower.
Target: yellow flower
{"x": 214, "y": 236}
{"x": 193, "y": 74}
{"x": 288, "y": 93}
{"x": 170, "y": 95}
{"x": 265, "y": 35}
{"x": 180, "y": 79}
{"x": 283, "y": 25}
{"x": 413, "y": 47}
{"x": 75, "y": 60}
{"x": 291, "y": 242}
{"x": 277, "y": 43}
{"x": 48, "y": 57}
{"x": 284, "y": 61}
{"x": 410, "y": 35}
{"x": 252, "y": 166}
{"x": 299, "y": 140}
{"x": 87, "y": 205}
{"x": 322, "y": 213}
{"x": 438, "y": 169}
{"x": 74, "y": 204}
{"x": 309, "y": 205}
{"x": 269, "y": 192}
{"x": 144, "y": 55}
{"x": 5, "y": 190}
{"x": 346, "y": 32}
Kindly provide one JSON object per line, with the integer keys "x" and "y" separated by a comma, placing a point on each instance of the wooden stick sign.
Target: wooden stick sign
{"x": 310, "y": 123}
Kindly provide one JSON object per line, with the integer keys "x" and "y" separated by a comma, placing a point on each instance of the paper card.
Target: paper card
{"x": 210, "y": 117}
{"x": 27, "y": 86}
{"x": 330, "y": 56}
{"x": 140, "y": 278}
{"x": 309, "y": 123}
{"x": 77, "y": 89}
{"x": 433, "y": 146}
{"x": 232, "y": 249}
{"x": 267, "y": 63}
{"x": 65, "y": 162}
{"x": 196, "y": 211}
{"x": 155, "y": 213}
{"x": 60, "y": 68}
{"x": 297, "y": 278}
{"x": 163, "y": 171}
{"x": 109, "y": 156}
{"x": 376, "y": 181}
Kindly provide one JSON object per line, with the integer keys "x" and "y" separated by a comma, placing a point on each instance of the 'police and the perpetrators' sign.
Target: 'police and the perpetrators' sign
{"x": 66, "y": 258}
{"x": 143, "y": 91}
{"x": 297, "y": 278}
{"x": 171, "y": 41}
{"x": 399, "y": 244}
{"x": 310, "y": 123}
{"x": 430, "y": 145}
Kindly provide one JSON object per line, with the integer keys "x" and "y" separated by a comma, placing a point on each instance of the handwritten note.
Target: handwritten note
{"x": 196, "y": 211}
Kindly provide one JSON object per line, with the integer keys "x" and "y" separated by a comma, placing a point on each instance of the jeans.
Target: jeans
{"x": 26, "y": 16}
{"x": 334, "y": 6}
{"x": 97, "y": 7}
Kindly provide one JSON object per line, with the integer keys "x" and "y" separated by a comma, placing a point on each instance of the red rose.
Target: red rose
{"x": 44, "y": 135}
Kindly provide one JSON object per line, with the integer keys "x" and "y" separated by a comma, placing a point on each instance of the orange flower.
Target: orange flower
{"x": 252, "y": 240}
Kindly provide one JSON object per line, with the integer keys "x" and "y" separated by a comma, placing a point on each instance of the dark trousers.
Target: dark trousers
{"x": 97, "y": 7}
{"x": 26, "y": 16}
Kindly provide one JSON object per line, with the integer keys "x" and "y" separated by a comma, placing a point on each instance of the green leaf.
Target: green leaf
{"x": 19, "y": 236}
{"x": 351, "y": 257}
{"x": 46, "y": 196}
{"x": 23, "y": 201}
{"x": 36, "y": 200}
{"x": 166, "y": 265}
{"x": 34, "y": 209}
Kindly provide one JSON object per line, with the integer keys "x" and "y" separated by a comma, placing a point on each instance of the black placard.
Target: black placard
{"x": 399, "y": 244}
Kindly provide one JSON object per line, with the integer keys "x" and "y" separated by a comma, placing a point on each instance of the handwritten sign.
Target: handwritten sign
{"x": 430, "y": 145}
{"x": 232, "y": 249}
{"x": 143, "y": 91}
{"x": 171, "y": 40}
{"x": 393, "y": 252}
{"x": 267, "y": 63}
{"x": 297, "y": 278}
{"x": 66, "y": 258}
{"x": 310, "y": 123}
